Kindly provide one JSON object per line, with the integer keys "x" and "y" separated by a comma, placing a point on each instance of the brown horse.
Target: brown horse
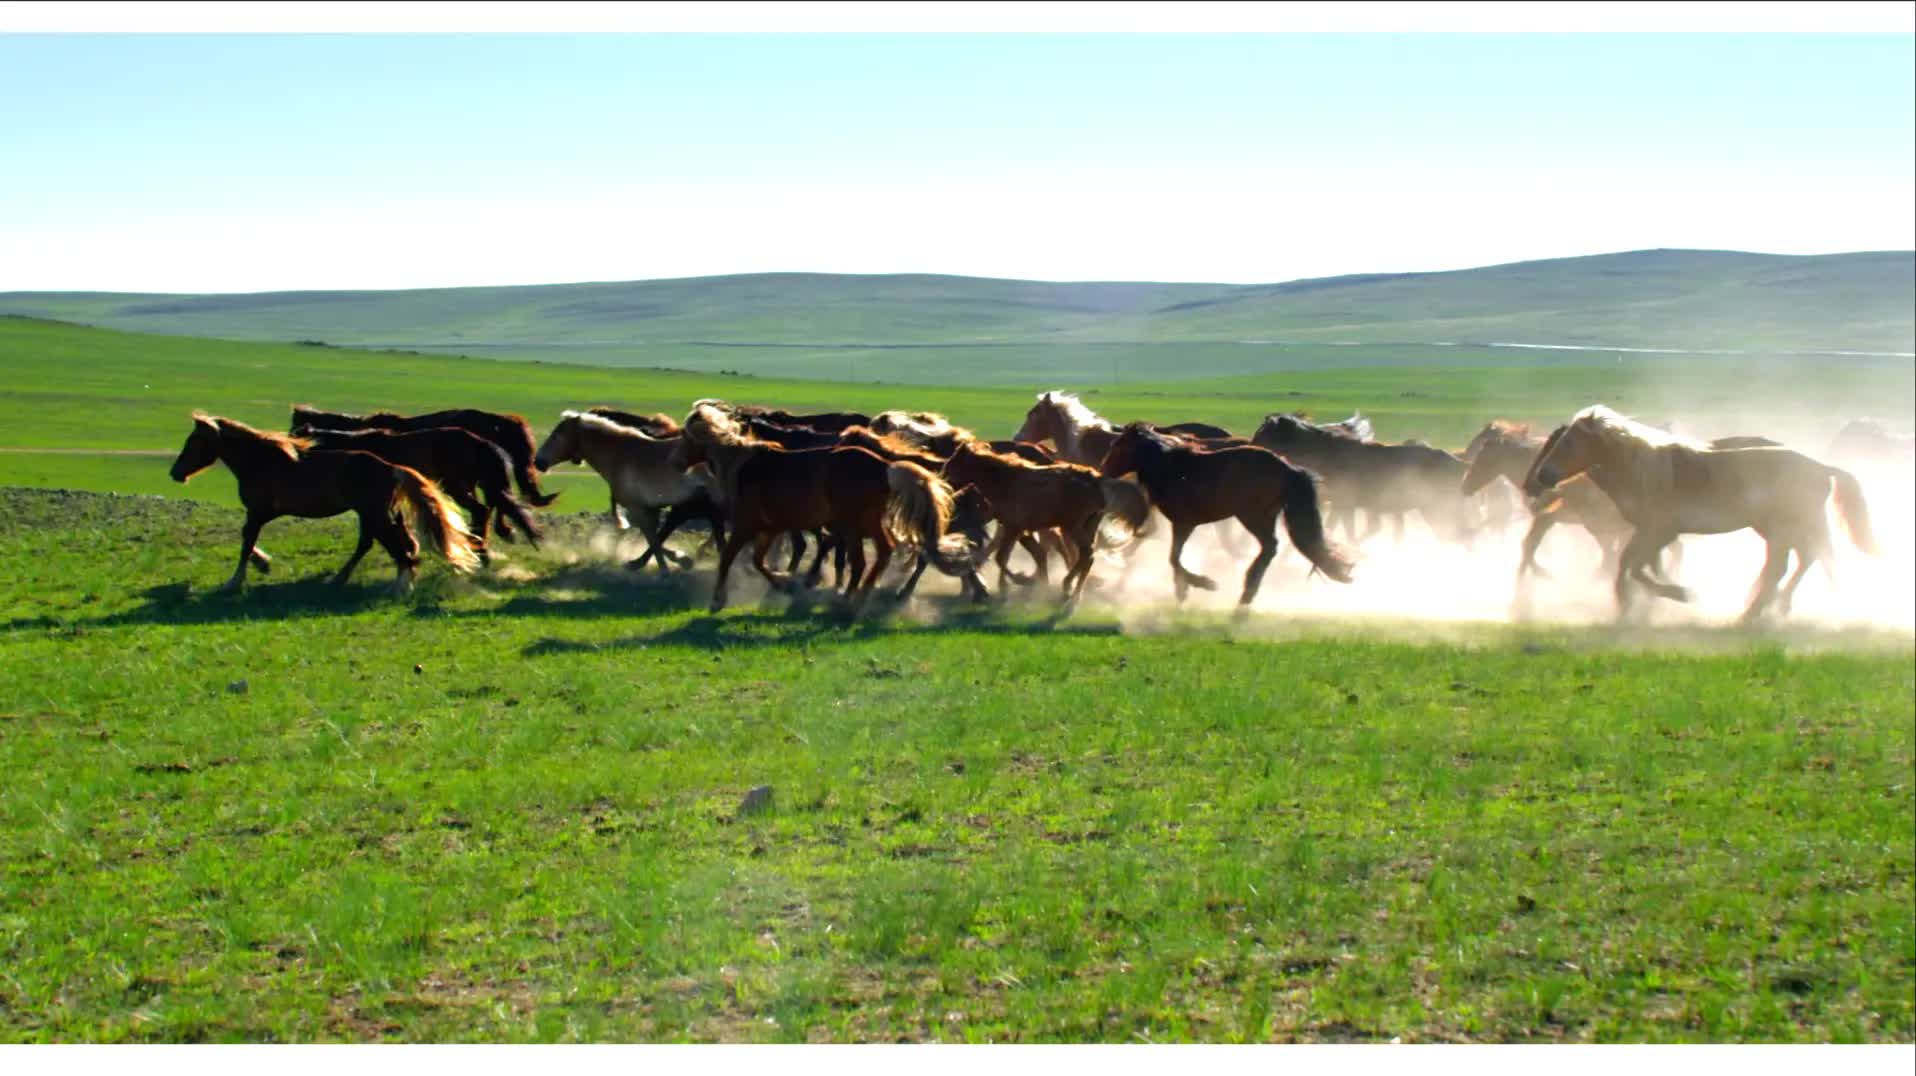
{"x": 1193, "y": 486}
{"x": 1382, "y": 479}
{"x": 509, "y": 432}
{"x": 1667, "y": 485}
{"x": 858, "y": 495}
{"x": 463, "y": 465}
{"x": 285, "y": 476}
{"x": 1026, "y": 497}
{"x": 1082, "y": 435}
{"x": 824, "y": 421}
{"x": 1506, "y": 450}
{"x": 971, "y": 513}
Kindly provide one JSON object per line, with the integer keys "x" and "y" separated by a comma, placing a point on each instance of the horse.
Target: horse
{"x": 655, "y": 425}
{"x": 1506, "y": 449}
{"x": 971, "y": 512}
{"x": 824, "y": 422}
{"x": 859, "y": 495}
{"x": 1666, "y": 485}
{"x": 1866, "y": 441}
{"x": 1027, "y": 497}
{"x": 636, "y": 467}
{"x": 1382, "y": 479}
{"x": 1081, "y": 434}
{"x": 463, "y": 465}
{"x": 1193, "y": 486}
{"x": 280, "y": 475}
{"x": 923, "y": 429}
{"x": 509, "y": 432}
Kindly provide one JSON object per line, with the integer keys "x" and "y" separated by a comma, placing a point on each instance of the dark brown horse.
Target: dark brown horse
{"x": 509, "y": 432}
{"x": 1193, "y": 486}
{"x": 824, "y": 421}
{"x": 285, "y": 476}
{"x": 464, "y": 466}
{"x": 1382, "y": 479}
{"x": 770, "y": 490}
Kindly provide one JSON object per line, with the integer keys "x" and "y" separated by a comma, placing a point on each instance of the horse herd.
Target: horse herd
{"x": 1068, "y": 483}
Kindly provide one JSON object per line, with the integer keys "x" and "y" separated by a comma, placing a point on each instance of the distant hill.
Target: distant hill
{"x": 1674, "y": 299}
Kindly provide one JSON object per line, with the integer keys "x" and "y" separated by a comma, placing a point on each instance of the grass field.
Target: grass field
{"x": 510, "y": 807}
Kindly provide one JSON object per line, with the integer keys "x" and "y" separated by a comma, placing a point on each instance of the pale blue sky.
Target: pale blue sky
{"x": 200, "y": 162}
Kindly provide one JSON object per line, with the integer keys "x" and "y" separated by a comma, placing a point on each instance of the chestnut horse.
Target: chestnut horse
{"x": 285, "y": 476}
{"x": 1667, "y": 485}
{"x": 1027, "y": 497}
{"x": 769, "y": 490}
{"x": 509, "y": 432}
{"x": 1192, "y": 486}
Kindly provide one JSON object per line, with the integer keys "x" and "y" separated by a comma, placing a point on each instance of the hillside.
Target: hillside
{"x": 1661, "y": 299}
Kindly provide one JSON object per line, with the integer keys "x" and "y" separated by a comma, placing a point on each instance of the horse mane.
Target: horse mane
{"x": 1076, "y": 412}
{"x": 708, "y": 416}
{"x": 1614, "y": 426}
{"x": 1505, "y": 428}
{"x": 292, "y": 446}
{"x": 980, "y": 448}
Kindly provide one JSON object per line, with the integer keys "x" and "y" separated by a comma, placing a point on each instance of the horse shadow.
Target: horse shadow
{"x": 182, "y": 603}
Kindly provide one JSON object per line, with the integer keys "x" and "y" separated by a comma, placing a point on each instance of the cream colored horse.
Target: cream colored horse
{"x": 1666, "y": 485}
{"x": 638, "y": 468}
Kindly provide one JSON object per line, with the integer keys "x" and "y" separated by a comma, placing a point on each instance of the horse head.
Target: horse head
{"x": 202, "y": 449}
{"x": 1041, "y": 422}
{"x": 1135, "y": 441}
{"x": 562, "y": 445}
{"x": 1560, "y": 457}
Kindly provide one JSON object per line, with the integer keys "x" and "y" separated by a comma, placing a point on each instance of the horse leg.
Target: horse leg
{"x": 1264, "y": 528}
{"x": 261, "y": 561}
{"x": 674, "y": 518}
{"x": 761, "y": 547}
{"x": 733, "y": 543}
{"x": 1638, "y": 547}
{"x": 481, "y": 517}
{"x": 1034, "y": 547}
{"x": 404, "y": 550}
{"x": 249, "y": 542}
{"x": 1183, "y": 578}
{"x": 1533, "y": 538}
{"x": 1764, "y": 592}
{"x": 1085, "y": 538}
{"x": 879, "y": 562}
{"x": 1002, "y": 554}
{"x": 647, "y": 519}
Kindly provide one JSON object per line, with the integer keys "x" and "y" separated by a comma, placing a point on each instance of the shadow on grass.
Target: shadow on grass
{"x": 181, "y": 603}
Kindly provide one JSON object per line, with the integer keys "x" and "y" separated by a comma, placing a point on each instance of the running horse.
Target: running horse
{"x": 637, "y": 469}
{"x": 769, "y": 490}
{"x": 281, "y": 475}
{"x": 1193, "y": 485}
{"x": 510, "y": 432}
{"x": 1666, "y": 485}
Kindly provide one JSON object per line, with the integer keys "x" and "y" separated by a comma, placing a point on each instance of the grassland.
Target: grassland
{"x": 920, "y": 328}
{"x": 509, "y": 808}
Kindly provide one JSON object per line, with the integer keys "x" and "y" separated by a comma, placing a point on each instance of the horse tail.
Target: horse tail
{"x": 1854, "y": 510}
{"x": 520, "y": 451}
{"x": 919, "y": 510}
{"x": 1305, "y": 523}
{"x": 421, "y": 500}
{"x": 1127, "y": 503}
{"x": 495, "y": 480}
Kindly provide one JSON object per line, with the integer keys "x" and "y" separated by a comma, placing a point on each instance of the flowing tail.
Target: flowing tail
{"x": 495, "y": 481}
{"x": 422, "y": 502}
{"x": 1305, "y": 524}
{"x": 1854, "y": 510}
{"x": 1124, "y": 501}
{"x": 521, "y": 456}
{"x": 918, "y": 512}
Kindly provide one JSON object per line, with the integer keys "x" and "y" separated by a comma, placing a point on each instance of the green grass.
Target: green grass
{"x": 507, "y": 809}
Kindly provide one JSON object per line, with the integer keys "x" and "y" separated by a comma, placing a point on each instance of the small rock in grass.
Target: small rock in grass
{"x": 756, "y": 800}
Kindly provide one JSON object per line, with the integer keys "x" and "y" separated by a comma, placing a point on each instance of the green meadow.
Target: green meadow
{"x": 513, "y": 806}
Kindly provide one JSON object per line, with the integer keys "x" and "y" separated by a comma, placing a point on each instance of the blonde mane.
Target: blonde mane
{"x": 293, "y": 447}
{"x": 1006, "y": 459}
{"x": 605, "y": 426}
{"x": 1076, "y": 413}
{"x": 1614, "y": 427}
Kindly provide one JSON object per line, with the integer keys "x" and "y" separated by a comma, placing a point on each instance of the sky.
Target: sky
{"x": 208, "y": 161}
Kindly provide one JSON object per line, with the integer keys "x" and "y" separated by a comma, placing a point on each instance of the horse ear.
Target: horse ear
{"x": 201, "y": 418}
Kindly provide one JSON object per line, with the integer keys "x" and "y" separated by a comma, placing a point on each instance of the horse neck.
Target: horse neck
{"x": 247, "y": 456}
{"x": 1083, "y": 444}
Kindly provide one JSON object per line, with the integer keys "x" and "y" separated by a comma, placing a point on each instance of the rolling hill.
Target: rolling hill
{"x": 1656, "y": 299}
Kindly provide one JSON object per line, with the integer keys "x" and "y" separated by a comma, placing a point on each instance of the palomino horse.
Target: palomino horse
{"x": 1666, "y": 485}
{"x": 1027, "y": 497}
{"x": 655, "y": 425}
{"x": 769, "y": 490}
{"x": 509, "y": 432}
{"x": 463, "y": 465}
{"x": 637, "y": 467}
{"x": 284, "y": 476}
{"x": 1379, "y": 478}
{"x": 1192, "y": 486}
{"x": 1506, "y": 450}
